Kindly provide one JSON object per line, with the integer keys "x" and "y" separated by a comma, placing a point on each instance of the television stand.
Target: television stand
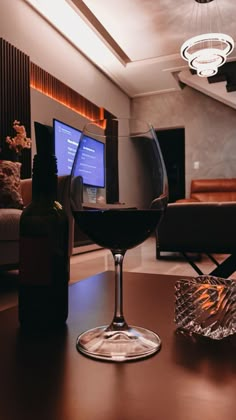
{"x": 106, "y": 206}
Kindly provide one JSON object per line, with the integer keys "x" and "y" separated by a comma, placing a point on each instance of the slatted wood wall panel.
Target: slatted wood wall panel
{"x": 17, "y": 76}
{"x": 14, "y": 99}
{"x": 57, "y": 90}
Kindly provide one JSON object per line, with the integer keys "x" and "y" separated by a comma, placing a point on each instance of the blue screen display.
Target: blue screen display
{"x": 91, "y": 162}
{"x": 66, "y": 140}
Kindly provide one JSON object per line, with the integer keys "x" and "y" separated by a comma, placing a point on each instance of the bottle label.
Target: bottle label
{"x": 35, "y": 261}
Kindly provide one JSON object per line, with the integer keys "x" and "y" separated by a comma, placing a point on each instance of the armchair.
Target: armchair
{"x": 200, "y": 227}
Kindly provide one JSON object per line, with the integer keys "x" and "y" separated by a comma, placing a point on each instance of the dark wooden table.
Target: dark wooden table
{"x": 45, "y": 378}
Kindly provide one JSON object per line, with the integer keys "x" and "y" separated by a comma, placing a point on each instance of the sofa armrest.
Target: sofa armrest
{"x": 26, "y": 190}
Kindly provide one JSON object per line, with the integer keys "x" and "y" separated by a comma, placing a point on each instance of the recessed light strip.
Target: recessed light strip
{"x": 85, "y": 13}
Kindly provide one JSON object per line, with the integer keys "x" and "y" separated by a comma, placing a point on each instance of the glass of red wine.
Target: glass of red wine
{"x": 118, "y": 195}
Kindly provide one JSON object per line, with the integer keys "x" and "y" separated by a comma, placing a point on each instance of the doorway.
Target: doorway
{"x": 172, "y": 144}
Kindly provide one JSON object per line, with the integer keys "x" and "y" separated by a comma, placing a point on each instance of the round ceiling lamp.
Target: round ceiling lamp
{"x": 208, "y": 51}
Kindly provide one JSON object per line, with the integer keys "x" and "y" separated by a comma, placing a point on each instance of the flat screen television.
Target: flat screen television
{"x": 91, "y": 162}
{"x": 66, "y": 140}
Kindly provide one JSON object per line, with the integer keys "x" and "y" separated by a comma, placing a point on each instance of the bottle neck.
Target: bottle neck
{"x": 44, "y": 179}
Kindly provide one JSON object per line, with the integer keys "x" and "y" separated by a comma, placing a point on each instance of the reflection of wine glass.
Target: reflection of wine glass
{"x": 125, "y": 208}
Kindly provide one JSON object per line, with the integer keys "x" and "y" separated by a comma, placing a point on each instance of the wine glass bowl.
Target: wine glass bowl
{"x": 118, "y": 195}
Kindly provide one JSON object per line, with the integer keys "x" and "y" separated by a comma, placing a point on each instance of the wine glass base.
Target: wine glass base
{"x": 119, "y": 346}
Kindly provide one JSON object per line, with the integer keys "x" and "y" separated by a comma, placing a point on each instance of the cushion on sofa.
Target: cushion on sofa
{"x": 10, "y": 191}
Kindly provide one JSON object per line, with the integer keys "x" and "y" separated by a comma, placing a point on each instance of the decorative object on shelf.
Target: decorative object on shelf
{"x": 206, "y": 305}
{"x": 209, "y": 49}
{"x": 20, "y": 141}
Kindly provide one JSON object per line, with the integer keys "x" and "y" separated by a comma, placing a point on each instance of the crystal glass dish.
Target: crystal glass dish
{"x": 206, "y": 305}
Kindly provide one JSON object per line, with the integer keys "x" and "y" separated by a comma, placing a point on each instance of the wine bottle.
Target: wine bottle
{"x": 44, "y": 259}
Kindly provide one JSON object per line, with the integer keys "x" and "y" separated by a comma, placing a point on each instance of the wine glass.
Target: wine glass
{"x": 118, "y": 196}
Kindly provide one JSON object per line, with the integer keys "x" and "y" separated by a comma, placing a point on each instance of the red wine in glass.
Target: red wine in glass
{"x": 137, "y": 178}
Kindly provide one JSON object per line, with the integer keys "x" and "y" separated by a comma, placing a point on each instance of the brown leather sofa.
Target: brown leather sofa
{"x": 208, "y": 190}
{"x": 203, "y": 223}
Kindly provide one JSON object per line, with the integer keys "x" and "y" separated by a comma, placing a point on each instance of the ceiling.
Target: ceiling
{"x": 138, "y": 41}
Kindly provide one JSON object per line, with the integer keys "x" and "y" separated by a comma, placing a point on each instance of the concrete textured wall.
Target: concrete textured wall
{"x": 210, "y": 130}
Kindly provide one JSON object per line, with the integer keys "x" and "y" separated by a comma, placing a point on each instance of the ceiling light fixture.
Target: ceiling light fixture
{"x": 207, "y": 51}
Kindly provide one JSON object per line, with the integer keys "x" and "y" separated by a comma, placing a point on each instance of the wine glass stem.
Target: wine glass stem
{"x": 118, "y": 322}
